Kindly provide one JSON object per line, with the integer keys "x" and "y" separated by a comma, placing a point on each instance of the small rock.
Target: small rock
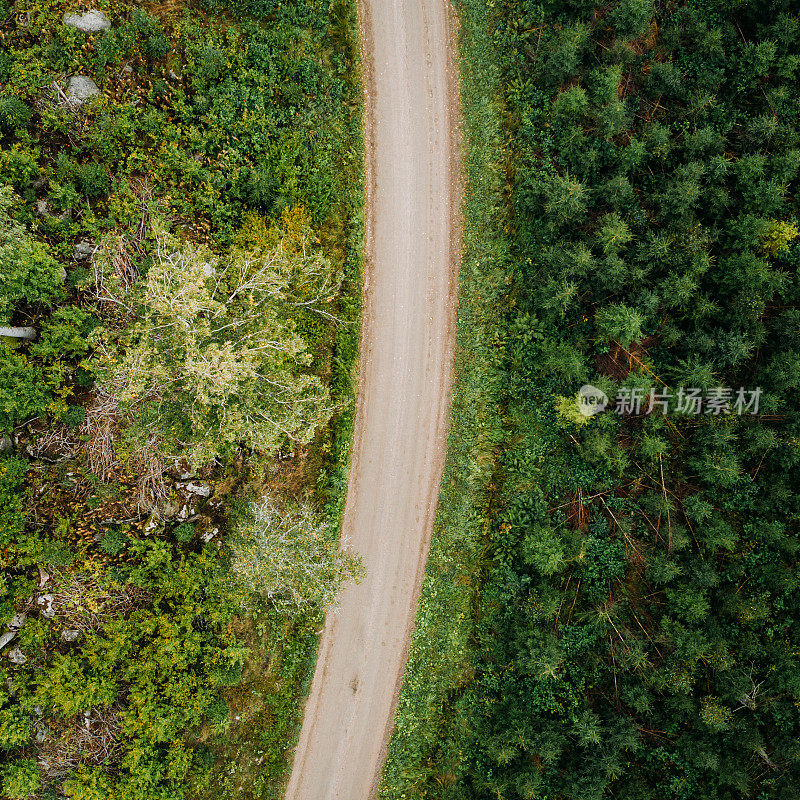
{"x": 209, "y": 535}
{"x": 84, "y": 250}
{"x": 17, "y": 621}
{"x": 41, "y": 208}
{"x": 43, "y": 577}
{"x": 80, "y": 89}
{"x": 200, "y": 489}
{"x": 89, "y": 22}
{"x": 46, "y": 601}
{"x": 41, "y": 734}
{"x": 16, "y": 656}
{"x": 5, "y": 444}
{"x": 6, "y": 638}
{"x": 152, "y": 523}
{"x": 38, "y": 711}
{"x": 69, "y": 635}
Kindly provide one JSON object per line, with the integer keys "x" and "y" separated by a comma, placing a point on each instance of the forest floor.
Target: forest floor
{"x": 412, "y": 254}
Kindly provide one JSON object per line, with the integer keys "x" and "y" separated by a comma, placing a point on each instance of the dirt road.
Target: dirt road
{"x": 407, "y": 342}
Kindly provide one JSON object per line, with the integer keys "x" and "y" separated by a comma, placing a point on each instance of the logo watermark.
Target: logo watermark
{"x": 591, "y": 400}
{"x": 685, "y": 401}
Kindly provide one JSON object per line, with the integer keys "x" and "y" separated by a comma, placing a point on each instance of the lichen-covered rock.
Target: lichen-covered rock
{"x": 90, "y": 21}
{"x": 46, "y": 602}
{"x": 200, "y": 489}
{"x": 16, "y": 656}
{"x": 84, "y": 250}
{"x": 80, "y": 89}
{"x": 6, "y": 638}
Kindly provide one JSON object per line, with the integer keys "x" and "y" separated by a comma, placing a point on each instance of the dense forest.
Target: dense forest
{"x": 180, "y": 240}
{"x": 612, "y": 605}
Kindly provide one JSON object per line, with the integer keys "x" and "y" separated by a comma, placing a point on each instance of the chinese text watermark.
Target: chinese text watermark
{"x": 686, "y": 401}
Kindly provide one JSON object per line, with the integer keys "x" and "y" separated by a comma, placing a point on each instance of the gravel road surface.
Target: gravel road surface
{"x": 412, "y": 251}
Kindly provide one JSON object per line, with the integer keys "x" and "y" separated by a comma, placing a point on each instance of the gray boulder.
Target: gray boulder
{"x": 16, "y": 656}
{"x": 209, "y": 535}
{"x": 46, "y": 602}
{"x": 84, "y": 250}
{"x": 200, "y": 489}
{"x": 90, "y": 21}
{"x": 80, "y": 89}
{"x": 69, "y": 635}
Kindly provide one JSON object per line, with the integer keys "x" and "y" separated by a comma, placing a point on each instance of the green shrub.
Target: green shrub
{"x": 114, "y": 541}
{"x": 28, "y": 272}
{"x": 14, "y": 114}
{"x": 632, "y": 17}
{"x": 73, "y": 416}
{"x": 15, "y": 727}
{"x": 218, "y": 711}
{"x": 23, "y": 391}
{"x": 94, "y": 179}
{"x": 184, "y": 532}
{"x": 21, "y": 779}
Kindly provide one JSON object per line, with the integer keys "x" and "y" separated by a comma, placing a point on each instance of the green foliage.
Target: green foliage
{"x": 21, "y": 779}
{"x": 632, "y": 17}
{"x": 620, "y": 323}
{"x": 114, "y": 541}
{"x": 184, "y": 532}
{"x": 28, "y": 272}
{"x": 14, "y": 114}
{"x": 220, "y": 125}
{"x": 23, "y": 391}
{"x": 93, "y": 179}
{"x": 65, "y": 334}
{"x": 778, "y": 237}
{"x": 610, "y": 611}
